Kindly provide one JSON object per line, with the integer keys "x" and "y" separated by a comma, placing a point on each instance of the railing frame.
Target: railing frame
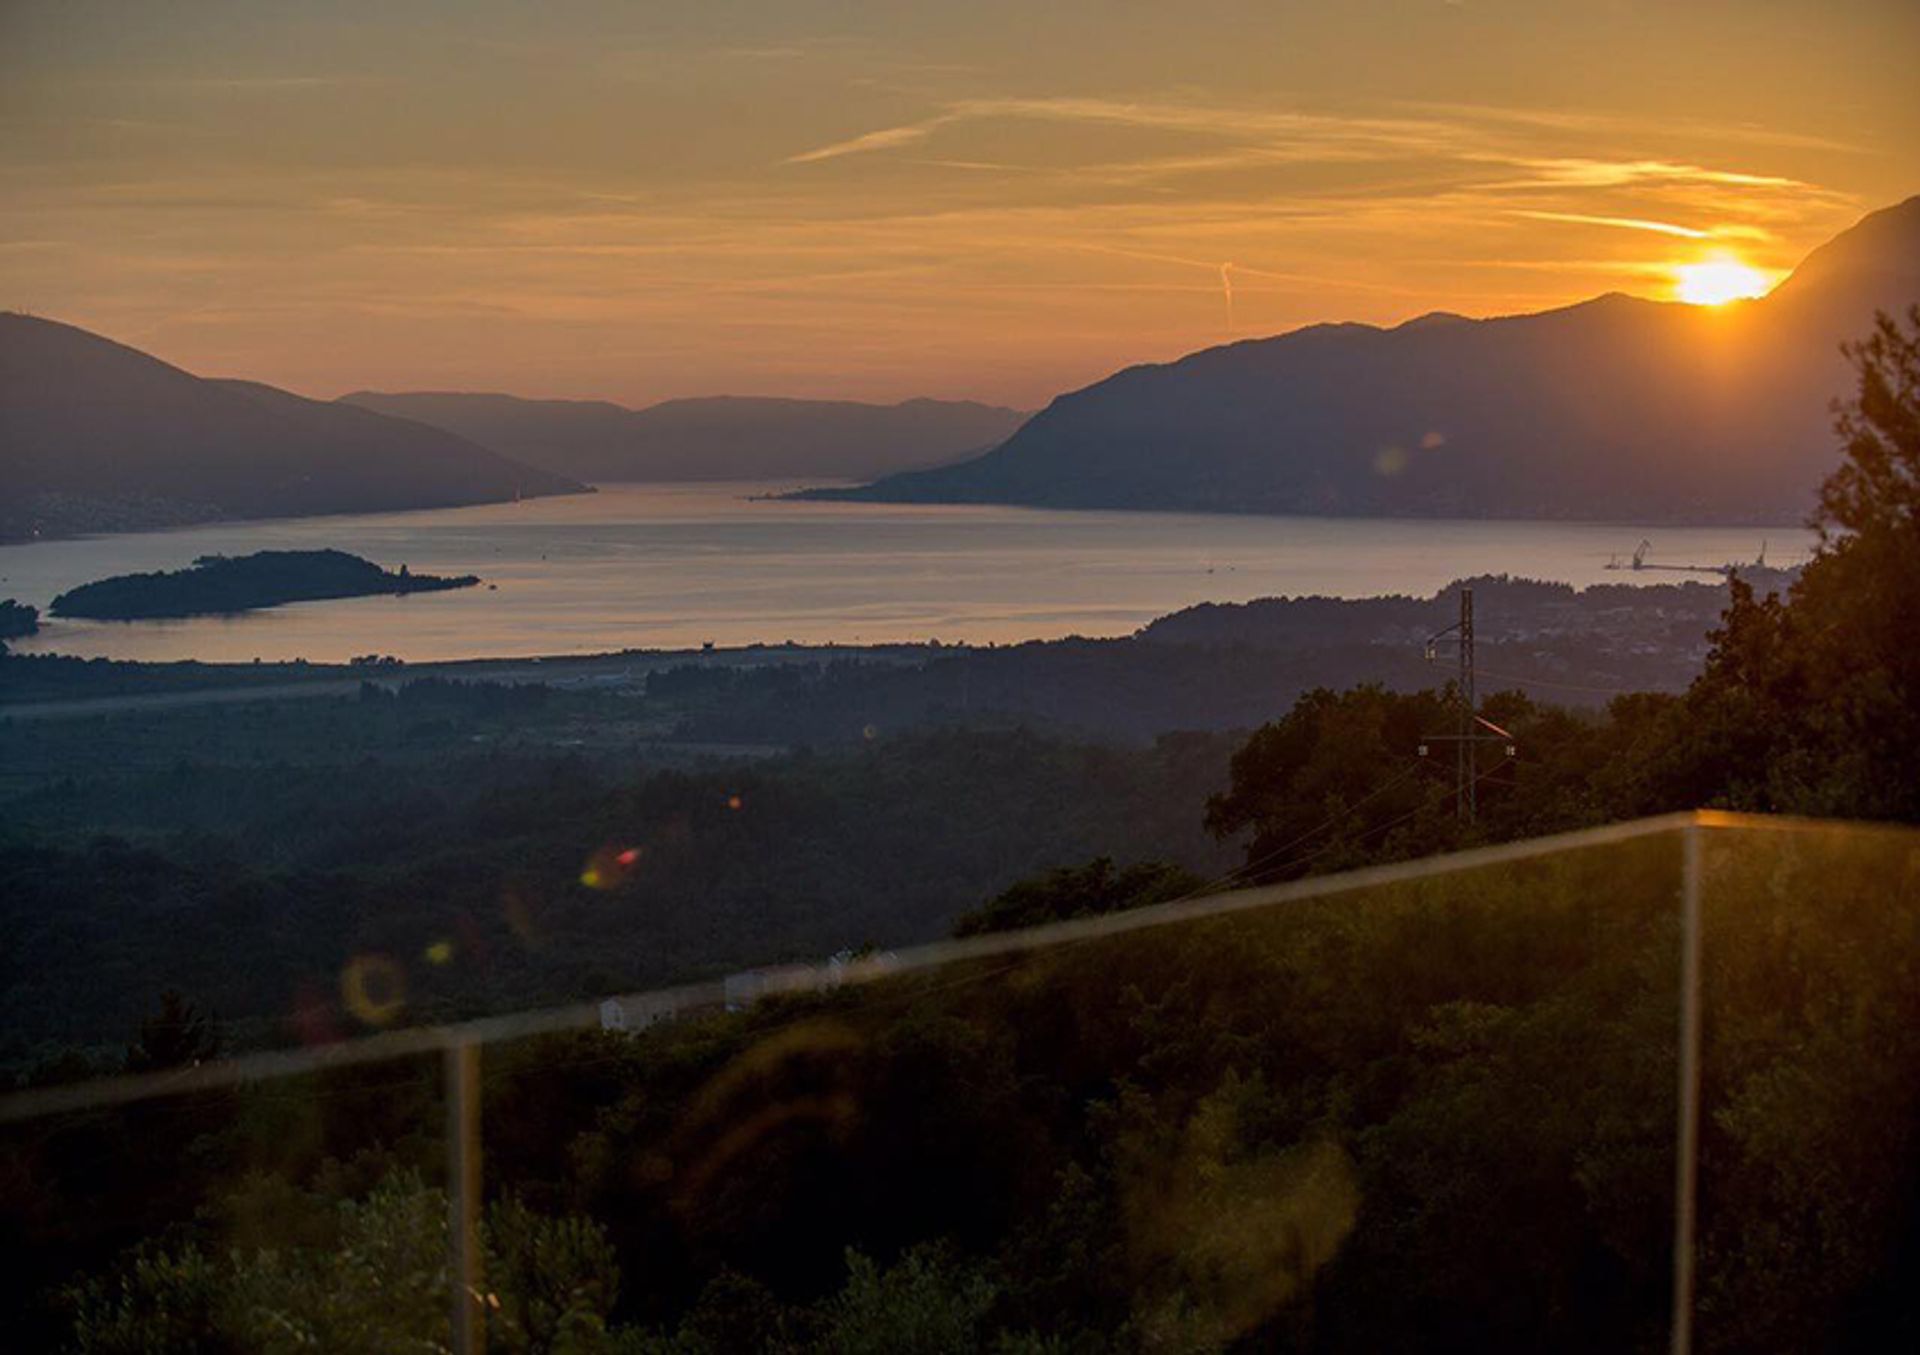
{"x": 1686, "y": 1155}
{"x": 464, "y": 1261}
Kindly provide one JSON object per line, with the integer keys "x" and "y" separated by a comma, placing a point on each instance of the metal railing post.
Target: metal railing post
{"x": 1687, "y": 1134}
{"x": 463, "y": 1197}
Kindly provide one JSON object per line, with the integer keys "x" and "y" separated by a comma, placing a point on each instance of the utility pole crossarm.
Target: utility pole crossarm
{"x": 1465, "y": 768}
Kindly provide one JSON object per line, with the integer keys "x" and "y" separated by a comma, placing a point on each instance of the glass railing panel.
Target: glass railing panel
{"x": 1810, "y": 1124}
{"x": 1433, "y": 1110}
{"x": 1423, "y": 1107}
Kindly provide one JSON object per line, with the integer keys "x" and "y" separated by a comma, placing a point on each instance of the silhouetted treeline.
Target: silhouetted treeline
{"x": 17, "y": 619}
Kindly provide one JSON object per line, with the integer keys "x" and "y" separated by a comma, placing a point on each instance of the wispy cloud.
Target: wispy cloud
{"x": 264, "y": 84}
{"x": 1589, "y": 122}
{"x": 1493, "y": 155}
{"x": 1330, "y": 135}
{"x": 884, "y": 139}
{"x": 1580, "y": 172}
{"x": 1621, "y": 222}
{"x": 1734, "y": 231}
{"x": 891, "y": 245}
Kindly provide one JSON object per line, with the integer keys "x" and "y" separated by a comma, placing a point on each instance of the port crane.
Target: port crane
{"x": 1640, "y": 561}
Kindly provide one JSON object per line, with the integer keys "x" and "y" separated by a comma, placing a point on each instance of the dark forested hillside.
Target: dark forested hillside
{"x": 96, "y": 436}
{"x": 1614, "y": 408}
{"x": 247, "y": 867}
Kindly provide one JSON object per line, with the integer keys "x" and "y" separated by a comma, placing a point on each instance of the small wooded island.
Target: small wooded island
{"x": 17, "y": 619}
{"x": 221, "y": 584}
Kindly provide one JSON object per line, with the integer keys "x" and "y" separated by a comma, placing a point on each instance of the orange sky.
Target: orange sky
{"x": 991, "y": 200}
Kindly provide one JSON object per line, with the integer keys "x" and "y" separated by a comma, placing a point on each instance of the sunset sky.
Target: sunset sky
{"x": 989, "y": 200}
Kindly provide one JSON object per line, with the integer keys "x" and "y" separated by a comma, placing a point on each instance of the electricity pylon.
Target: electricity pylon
{"x": 1465, "y": 765}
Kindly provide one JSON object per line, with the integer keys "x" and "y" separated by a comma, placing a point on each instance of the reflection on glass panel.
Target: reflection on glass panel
{"x": 1434, "y": 1107}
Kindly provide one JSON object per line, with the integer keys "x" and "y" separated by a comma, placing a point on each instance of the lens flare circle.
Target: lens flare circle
{"x": 374, "y": 988}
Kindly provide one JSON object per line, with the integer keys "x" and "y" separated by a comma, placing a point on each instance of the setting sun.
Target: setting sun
{"x": 1714, "y": 282}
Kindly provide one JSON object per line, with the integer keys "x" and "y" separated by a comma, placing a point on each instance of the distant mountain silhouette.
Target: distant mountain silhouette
{"x": 721, "y": 438}
{"x": 96, "y": 436}
{"x": 1613, "y": 408}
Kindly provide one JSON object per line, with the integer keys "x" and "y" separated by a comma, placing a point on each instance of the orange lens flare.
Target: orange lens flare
{"x": 610, "y": 866}
{"x": 374, "y": 989}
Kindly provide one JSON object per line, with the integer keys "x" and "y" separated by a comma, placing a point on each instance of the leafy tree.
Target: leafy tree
{"x": 16, "y": 619}
{"x": 1812, "y": 703}
{"x": 1337, "y": 781}
{"x": 367, "y": 1273}
{"x": 176, "y": 1036}
{"x": 734, "y": 1312}
{"x": 925, "y": 1304}
{"x": 1876, "y": 491}
{"x": 1079, "y": 891}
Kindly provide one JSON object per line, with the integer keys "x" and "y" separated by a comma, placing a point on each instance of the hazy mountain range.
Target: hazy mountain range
{"x": 1614, "y": 408}
{"x": 96, "y": 436}
{"x": 721, "y": 438}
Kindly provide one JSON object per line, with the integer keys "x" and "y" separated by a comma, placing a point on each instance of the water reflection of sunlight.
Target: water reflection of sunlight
{"x": 718, "y": 567}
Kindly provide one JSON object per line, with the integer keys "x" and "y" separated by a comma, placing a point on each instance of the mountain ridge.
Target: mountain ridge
{"x": 96, "y": 435}
{"x": 717, "y": 437}
{"x": 1615, "y": 407}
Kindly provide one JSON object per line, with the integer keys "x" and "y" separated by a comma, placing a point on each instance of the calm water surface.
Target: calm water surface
{"x": 671, "y": 566}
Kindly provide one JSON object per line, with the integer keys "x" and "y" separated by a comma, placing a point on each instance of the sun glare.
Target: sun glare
{"x": 1714, "y": 282}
